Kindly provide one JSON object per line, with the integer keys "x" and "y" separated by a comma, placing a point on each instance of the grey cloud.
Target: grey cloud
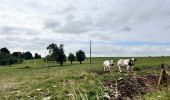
{"x": 77, "y": 26}
{"x": 10, "y": 30}
{"x": 126, "y": 28}
{"x": 117, "y": 17}
{"x": 52, "y": 24}
{"x": 72, "y": 26}
{"x": 68, "y": 9}
{"x": 60, "y": 21}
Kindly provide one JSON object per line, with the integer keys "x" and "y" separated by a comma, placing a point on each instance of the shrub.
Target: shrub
{"x": 4, "y": 61}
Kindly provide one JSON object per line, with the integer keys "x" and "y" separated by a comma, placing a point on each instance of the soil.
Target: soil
{"x": 132, "y": 88}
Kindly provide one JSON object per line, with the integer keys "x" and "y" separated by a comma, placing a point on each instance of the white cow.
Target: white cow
{"x": 126, "y": 64}
{"x": 108, "y": 64}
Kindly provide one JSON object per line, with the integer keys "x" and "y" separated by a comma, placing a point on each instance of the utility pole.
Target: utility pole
{"x": 45, "y": 57}
{"x": 90, "y": 52}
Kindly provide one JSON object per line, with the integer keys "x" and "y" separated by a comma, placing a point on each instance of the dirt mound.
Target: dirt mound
{"x": 132, "y": 88}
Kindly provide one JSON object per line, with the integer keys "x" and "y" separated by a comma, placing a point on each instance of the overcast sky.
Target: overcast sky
{"x": 116, "y": 27}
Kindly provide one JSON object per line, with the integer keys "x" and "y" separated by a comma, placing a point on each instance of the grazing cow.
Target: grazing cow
{"x": 108, "y": 64}
{"x": 124, "y": 64}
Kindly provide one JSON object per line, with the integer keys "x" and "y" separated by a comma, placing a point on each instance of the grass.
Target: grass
{"x": 34, "y": 79}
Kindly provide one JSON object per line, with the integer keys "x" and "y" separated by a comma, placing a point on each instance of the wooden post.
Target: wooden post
{"x": 159, "y": 81}
{"x": 163, "y": 76}
{"x": 90, "y": 52}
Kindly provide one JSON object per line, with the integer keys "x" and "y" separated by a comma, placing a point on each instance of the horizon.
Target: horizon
{"x": 117, "y": 28}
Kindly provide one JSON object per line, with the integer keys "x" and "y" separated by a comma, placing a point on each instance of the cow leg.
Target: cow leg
{"x": 132, "y": 68}
{"x": 129, "y": 68}
{"x": 104, "y": 68}
{"x": 120, "y": 69}
{"x": 109, "y": 68}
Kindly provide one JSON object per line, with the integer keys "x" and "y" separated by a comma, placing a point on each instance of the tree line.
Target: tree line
{"x": 56, "y": 54}
{"x": 8, "y": 58}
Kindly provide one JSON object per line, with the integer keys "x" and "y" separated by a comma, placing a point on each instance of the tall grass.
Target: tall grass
{"x": 35, "y": 79}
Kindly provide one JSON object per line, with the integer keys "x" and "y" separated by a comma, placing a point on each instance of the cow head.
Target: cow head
{"x": 132, "y": 61}
{"x": 111, "y": 62}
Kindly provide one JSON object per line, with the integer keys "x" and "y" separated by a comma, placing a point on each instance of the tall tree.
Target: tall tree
{"x": 27, "y": 55}
{"x": 53, "y": 49}
{"x": 80, "y": 55}
{"x": 61, "y": 56}
{"x": 7, "y": 58}
{"x": 5, "y": 50}
{"x": 17, "y": 55}
{"x": 4, "y": 55}
{"x": 71, "y": 57}
{"x": 12, "y": 60}
{"x": 37, "y": 56}
{"x": 57, "y": 54}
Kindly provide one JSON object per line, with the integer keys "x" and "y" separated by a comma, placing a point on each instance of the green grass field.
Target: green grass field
{"x": 35, "y": 80}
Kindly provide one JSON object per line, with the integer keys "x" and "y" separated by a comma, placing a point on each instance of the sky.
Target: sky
{"x": 115, "y": 27}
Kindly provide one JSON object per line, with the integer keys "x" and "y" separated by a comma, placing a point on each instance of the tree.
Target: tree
{"x": 37, "y": 56}
{"x": 5, "y": 50}
{"x": 80, "y": 55}
{"x": 27, "y": 55}
{"x": 61, "y": 56}
{"x": 7, "y": 58}
{"x": 57, "y": 54}
{"x": 17, "y": 55}
{"x": 53, "y": 49}
{"x": 4, "y": 58}
{"x": 48, "y": 58}
{"x": 53, "y": 46}
{"x": 71, "y": 57}
{"x": 12, "y": 60}
{"x": 4, "y": 55}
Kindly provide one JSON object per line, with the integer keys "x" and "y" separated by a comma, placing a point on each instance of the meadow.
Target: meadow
{"x": 37, "y": 80}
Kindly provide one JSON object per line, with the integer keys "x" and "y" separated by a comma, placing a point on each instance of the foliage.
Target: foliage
{"x": 57, "y": 54}
{"x": 4, "y": 61}
{"x": 17, "y": 55}
{"x": 5, "y": 50}
{"x": 48, "y": 58}
{"x": 7, "y": 59}
{"x": 27, "y": 55}
{"x": 37, "y": 56}
{"x": 61, "y": 56}
{"x": 80, "y": 55}
{"x": 13, "y": 60}
{"x": 71, "y": 57}
{"x": 4, "y": 55}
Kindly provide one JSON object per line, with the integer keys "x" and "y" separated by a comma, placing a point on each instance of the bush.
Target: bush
{"x": 13, "y": 60}
{"x": 4, "y": 61}
{"x": 10, "y": 61}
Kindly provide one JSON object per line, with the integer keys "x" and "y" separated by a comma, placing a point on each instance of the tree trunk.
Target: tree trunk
{"x": 80, "y": 62}
{"x": 61, "y": 63}
{"x": 71, "y": 62}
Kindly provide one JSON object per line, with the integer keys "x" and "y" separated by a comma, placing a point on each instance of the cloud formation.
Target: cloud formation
{"x": 142, "y": 26}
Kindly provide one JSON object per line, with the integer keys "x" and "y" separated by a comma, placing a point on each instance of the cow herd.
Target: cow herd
{"x": 124, "y": 65}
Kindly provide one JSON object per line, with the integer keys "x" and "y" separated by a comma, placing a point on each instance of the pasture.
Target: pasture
{"x": 37, "y": 80}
